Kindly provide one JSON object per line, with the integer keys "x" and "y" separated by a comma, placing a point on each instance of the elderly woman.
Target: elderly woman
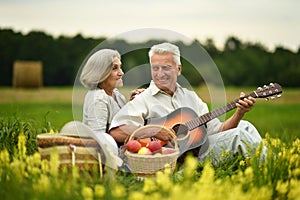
{"x": 102, "y": 75}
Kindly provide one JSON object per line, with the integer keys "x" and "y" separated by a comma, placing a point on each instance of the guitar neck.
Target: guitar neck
{"x": 203, "y": 119}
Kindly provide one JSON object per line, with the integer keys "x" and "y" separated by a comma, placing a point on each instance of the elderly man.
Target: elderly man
{"x": 165, "y": 95}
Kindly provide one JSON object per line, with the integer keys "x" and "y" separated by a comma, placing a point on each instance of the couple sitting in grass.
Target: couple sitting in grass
{"x": 112, "y": 120}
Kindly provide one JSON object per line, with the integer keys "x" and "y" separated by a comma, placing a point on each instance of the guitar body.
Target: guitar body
{"x": 190, "y": 128}
{"x": 187, "y": 139}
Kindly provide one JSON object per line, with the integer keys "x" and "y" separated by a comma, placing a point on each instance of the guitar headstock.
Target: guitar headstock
{"x": 272, "y": 90}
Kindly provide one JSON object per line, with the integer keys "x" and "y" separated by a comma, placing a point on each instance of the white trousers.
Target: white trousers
{"x": 236, "y": 140}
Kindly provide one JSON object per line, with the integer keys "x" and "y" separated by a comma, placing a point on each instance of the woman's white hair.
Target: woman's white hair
{"x": 98, "y": 67}
{"x": 166, "y": 48}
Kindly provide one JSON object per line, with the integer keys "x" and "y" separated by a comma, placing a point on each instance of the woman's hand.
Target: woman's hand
{"x": 133, "y": 93}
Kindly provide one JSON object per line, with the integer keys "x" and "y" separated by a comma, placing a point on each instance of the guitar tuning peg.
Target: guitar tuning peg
{"x": 272, "y": 97}
{"x": 278, "y": 95}
{"x": 259, "y": 88}
{"x": 272, "y": 85}
{"x": 267, "y": 99}
{"x": 266, "y": 87}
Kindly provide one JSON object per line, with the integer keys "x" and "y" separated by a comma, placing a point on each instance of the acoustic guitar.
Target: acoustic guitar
{"x": 190, "y": 128}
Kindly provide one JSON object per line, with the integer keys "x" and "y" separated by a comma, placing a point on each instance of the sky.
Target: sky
{"x": 269, "y": 22}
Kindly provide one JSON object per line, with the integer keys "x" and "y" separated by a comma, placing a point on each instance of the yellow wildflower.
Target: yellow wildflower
{"x": 54, "y": 163}
{"x": 242, "y": 163}
{"x": 43, "y": 185}
{"x": 118, "y": 191}
{"x": 136, "y": 196}
{"x": 18, "y": 167}
{"x": 249, "y": 173}
{"x": 36, "y": 159}
{"x": 296, "y": 172}
{"x": 155, "y": 195}
{"x": 294, "y": 192}
{"x": 294, "y": 160}
{"x": 149, "y": 185}
{"x": 167, "y": 169}
{"x": 45, "y": 166}
{"x": 22, "y": 146}
{"x": 261, "y": 193}
{"x": 87, "y": 193}
{"x": 226, "y": 154}
{"x": 4, "y": 158}
{"x": 163, "y": 181}
{"x": 99, "y": 191}
{"x": 208, "y": 174}
{"x": 259, "y": 150}
{"x": 177, "y": 192}
{"x": 282, "y": 187}
{"x": 191, "y": 166}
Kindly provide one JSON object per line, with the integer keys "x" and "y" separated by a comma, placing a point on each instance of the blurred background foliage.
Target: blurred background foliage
{"x": 240, "y": 63}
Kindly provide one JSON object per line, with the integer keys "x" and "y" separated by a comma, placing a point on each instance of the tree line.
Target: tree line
{"x": 239, "y": 63}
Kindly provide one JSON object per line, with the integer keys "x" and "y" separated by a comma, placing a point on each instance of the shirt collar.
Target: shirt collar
{"x": 154, "y": 89}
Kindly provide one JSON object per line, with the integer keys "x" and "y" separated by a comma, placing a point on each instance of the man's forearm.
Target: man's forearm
{"x": 232, "y": 122}
{"x": 121, "y": 133}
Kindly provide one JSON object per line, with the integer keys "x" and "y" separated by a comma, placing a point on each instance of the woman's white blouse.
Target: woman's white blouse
{"x": 99, "y": 109}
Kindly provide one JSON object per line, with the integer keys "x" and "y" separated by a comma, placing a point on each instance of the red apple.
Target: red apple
{"x": 144, "y": 151}
{"x": 133, "y": 146}
{"x": 155, "y": 147}
{"x": 168, "y": 151}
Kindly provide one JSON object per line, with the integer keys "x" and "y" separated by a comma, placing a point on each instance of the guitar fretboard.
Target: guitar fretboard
{"x": 203, "y": 119}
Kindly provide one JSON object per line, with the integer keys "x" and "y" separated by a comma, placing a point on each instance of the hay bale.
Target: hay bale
{"x": 27, "y": 74}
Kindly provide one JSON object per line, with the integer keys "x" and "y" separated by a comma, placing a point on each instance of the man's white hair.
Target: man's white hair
{"x": 166, "y": 48}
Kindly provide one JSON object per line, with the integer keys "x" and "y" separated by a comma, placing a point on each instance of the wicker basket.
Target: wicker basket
{"x": 85, "y": 153}
{"x": 148, "y": 165}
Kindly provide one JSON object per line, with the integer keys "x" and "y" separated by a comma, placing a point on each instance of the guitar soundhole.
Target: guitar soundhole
{"x": 181, "y": 130}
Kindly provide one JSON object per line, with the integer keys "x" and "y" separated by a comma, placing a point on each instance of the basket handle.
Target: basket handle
{"x": 142, "y": 128}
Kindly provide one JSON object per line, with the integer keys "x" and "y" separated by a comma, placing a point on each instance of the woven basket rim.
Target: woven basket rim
{"x": 57, "y": 135}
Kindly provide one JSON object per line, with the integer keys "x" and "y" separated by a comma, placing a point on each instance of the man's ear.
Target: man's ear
{"x": 179, "y": 70}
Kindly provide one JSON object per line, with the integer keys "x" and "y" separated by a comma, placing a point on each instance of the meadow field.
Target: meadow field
{"x": 279, "y": 117}
{"x": 24, "y": 113}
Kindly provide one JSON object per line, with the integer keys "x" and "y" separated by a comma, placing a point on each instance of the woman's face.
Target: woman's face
{"x": 115, "y": 78}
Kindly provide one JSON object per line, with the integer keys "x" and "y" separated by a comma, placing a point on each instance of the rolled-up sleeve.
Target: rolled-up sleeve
{"x": 130, "y": 114}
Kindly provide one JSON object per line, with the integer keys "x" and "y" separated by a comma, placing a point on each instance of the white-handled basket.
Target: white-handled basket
{"x": 148, "y": 165}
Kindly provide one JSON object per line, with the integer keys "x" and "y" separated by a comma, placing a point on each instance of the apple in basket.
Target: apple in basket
{"x": 144, "y": 151}
{"x": 133, "y": 146}
{"x": 167, "y": 151}
{"x": 155, "y": 147}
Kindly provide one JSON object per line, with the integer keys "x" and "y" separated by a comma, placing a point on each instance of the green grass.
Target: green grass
{"x": 39, "y": 114}
{"x": 278, "y": 120}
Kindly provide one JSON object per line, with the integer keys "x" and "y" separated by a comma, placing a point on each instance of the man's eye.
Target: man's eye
{"x": 166, "y": 68}
{"x": 155, "y": 68}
